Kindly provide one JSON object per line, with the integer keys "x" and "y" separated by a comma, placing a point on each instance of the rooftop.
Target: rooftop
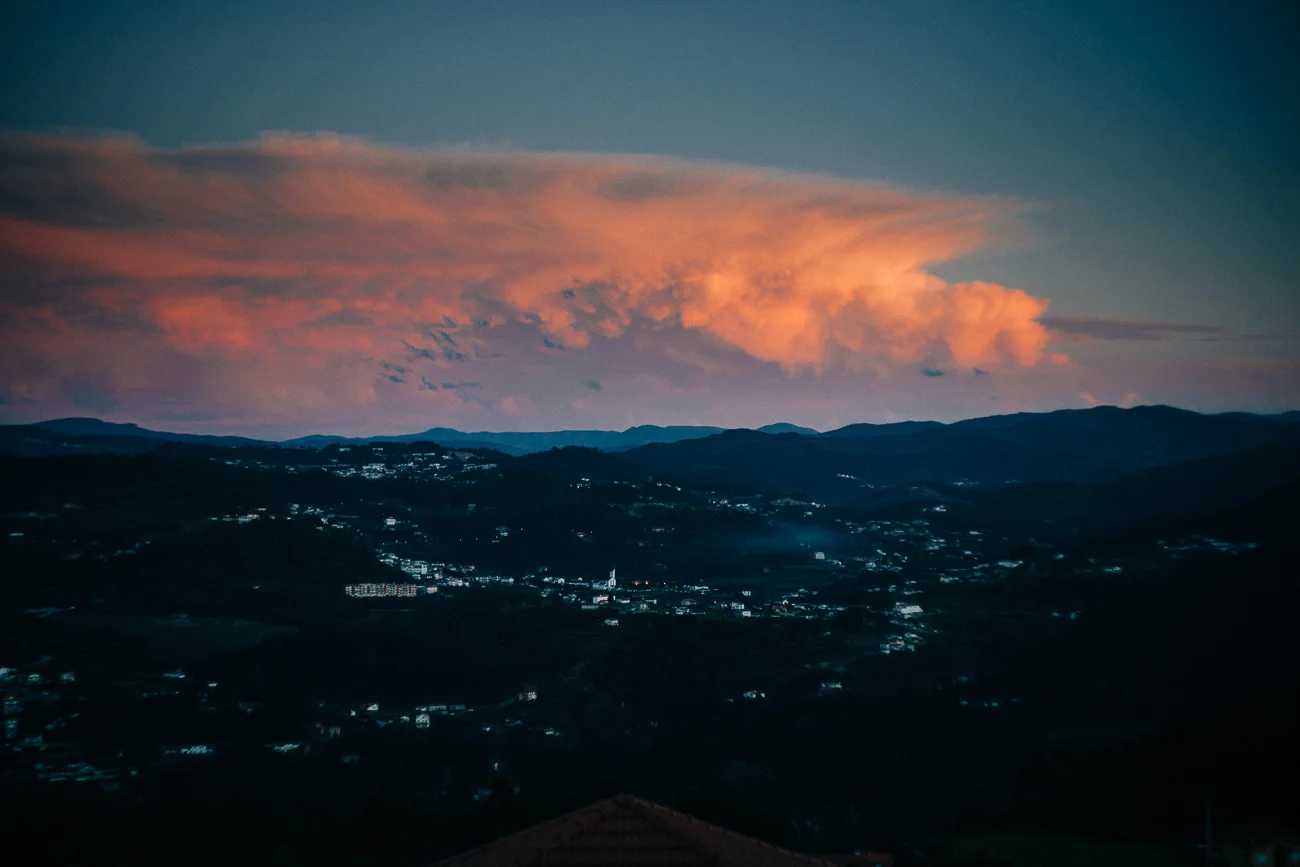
{"x": 628, "y": 830}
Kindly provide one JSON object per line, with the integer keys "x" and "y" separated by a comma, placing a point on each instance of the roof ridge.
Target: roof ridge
{"x": 563, "y": 825}
{"x": 563, "y": 828}
{"x": 811, "y": 859}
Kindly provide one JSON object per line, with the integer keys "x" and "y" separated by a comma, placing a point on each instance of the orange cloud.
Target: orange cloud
{"x": 297, "y": 250}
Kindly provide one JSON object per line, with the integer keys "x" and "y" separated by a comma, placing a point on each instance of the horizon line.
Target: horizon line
{"x": 715, "y": 427}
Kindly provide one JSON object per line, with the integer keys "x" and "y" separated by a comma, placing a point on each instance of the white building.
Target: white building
{"x": 372, "y": 590}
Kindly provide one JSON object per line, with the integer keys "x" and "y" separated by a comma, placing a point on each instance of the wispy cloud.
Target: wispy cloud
{"x": 594, "y": 385}
{"x": 1097, "y": 328}
{"x": 1247, "y": 338}
{"x": 931, "y": 371}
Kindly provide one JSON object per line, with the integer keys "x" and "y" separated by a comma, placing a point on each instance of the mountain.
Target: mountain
{"x": 1172, "y": 493}
{"x": 31, "y": 442}
{"x": 1079, "y": 447}
{"x": 577, "y": 463}
{"x": 1144, "y": 436}
{"x": 525, "y": 442}
{"x": 898, "y": 428}
{"x": 786, "y": 427}
{"x": 83, "y": 427}
{"x": 67, "y": 436}
{"x": 1085, "y": 446}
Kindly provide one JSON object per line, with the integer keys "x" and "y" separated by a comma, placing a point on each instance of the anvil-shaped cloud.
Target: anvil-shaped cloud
{"x": 280, "y": 264}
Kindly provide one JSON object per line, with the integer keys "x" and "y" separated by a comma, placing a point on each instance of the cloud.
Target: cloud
{"x": 979, "y": 371}
{"x": 342, "y": 318}
{"x": 931, "y": 372}
{"x": 1246, "y": 338}
{"x": 425, "y": 385}
{"x": 594, "y": 385}
{"x": 418, "y": 352}
{"x": 455, "y": 385}
{"x": 269, "y": 274}
{"x": 1095, "y": 328}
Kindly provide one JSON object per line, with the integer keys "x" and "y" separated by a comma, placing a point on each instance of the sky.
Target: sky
{"x": 284, "y": 218}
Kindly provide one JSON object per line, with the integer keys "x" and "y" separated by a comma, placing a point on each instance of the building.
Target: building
{"x": 371, "y": 590}
{"x": 628, "y": 830}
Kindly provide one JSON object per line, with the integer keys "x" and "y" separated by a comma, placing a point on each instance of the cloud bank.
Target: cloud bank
{"x": 297, "y": 274}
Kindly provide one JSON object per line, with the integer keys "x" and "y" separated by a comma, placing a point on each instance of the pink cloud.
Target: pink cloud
{"x": 278, "y": 274}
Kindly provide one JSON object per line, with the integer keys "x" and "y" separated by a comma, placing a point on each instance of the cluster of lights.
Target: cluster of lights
{"x": 369, "y": 590}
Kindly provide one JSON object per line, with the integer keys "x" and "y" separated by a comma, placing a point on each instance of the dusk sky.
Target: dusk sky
{"x": 284, "y": 218}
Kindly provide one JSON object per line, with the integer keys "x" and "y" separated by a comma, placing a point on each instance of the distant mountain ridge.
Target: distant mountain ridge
{"x": 93, "y": 427}
{"x": 851, "y": 465}
{"x": 525, "y": 442}
{"x": 1145, "y": 428}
